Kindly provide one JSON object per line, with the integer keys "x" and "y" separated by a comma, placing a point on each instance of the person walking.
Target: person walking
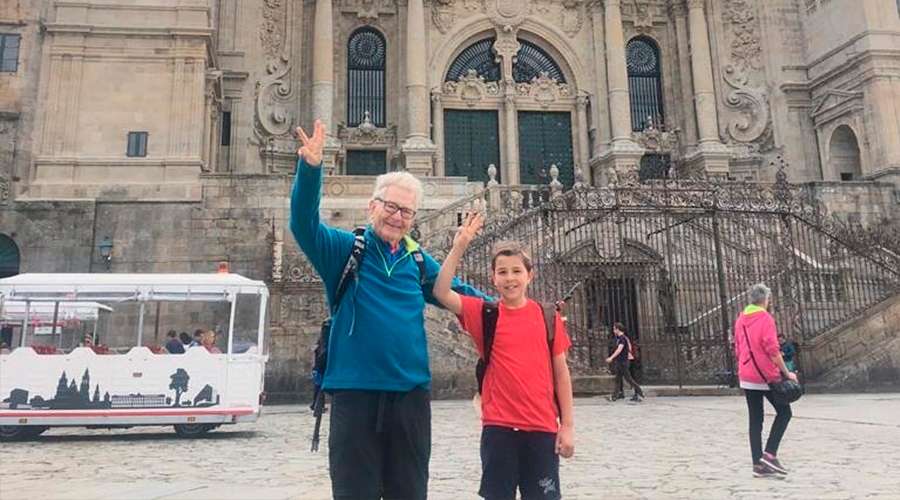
{"x": 620, "y": 360}
{"x": 379, "y": 441}
{"x": 759, "y": 360}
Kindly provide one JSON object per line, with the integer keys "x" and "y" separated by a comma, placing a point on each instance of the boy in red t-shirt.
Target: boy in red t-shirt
{"x": 523, "y": 435}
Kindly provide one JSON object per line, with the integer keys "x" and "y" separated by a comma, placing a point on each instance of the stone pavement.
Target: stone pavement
{"x": 837, "y": 446}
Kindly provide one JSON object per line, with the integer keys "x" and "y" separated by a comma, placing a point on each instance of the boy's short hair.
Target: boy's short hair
{"x": 510, "y": 249}
{"x": 619, "y": 326}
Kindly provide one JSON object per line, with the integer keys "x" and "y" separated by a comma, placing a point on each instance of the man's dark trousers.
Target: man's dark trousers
{"x": 379, "y": 444}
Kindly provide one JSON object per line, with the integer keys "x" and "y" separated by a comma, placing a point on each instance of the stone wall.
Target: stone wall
{"x": 865, "y": 202}
{"x": 861, "y": 353}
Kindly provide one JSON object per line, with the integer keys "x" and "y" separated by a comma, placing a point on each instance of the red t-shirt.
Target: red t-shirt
{"x": 518, "y": 385}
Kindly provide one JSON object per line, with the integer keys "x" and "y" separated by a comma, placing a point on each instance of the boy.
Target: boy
{"x": 523, "y": 434}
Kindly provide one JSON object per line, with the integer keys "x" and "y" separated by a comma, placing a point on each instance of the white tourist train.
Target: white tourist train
{"x": 62, "y": 375}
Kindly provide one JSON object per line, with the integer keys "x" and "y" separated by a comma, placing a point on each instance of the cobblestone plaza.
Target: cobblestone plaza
{"x": 837, "y": 446}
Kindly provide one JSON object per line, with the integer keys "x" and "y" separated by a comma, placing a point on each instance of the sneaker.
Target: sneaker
{"x": 763, "y": 470}
{"x": 773, "y": 463}
{"x": 636, "y": 398}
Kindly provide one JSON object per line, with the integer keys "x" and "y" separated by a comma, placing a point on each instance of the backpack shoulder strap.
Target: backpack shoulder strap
{"x": 489, "y": 314}
{"x": 354, "y": 261}
{"x": 420, "y": 262}
{"x": 549, "y": 312}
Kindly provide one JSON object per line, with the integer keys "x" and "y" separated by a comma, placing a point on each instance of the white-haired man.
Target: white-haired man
{"x": 377, "y": 373}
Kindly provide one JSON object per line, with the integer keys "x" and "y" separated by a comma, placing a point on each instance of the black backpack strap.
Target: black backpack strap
{"x": 489, "y": 314}
{"x": 420, "y": 262}
{"x": 549, "y": 312}
{"x": 354, "y": 261}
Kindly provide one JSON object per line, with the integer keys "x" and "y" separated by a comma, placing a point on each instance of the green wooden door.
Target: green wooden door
{"x": 9, "y": 257}
{"x": 545, "y": 138}
{"x": 471, "y": 143}
{"x": 366, "y": 162}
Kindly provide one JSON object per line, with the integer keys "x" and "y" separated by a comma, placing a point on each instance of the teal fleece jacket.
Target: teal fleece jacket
{"x": 378, "y": 339}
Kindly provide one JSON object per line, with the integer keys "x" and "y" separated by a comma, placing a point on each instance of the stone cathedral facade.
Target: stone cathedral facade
{"x": 165, "y": 126}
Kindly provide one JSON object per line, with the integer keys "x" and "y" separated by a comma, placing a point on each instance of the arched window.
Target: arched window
{"x": 365, "y": 77}
{"x": 9, "y": 257}
{"x": 531, "y": 60}
{"x": 478, "y": 56}
{"x": 644, "y": 83}
{"x": 844, "y": 154}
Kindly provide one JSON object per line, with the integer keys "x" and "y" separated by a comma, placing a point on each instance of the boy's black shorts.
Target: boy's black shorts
{"x": 523, "y": 459}
{"x": 379, "y": 444}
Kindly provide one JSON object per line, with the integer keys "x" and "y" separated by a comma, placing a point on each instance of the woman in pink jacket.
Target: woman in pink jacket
{"x": 756, "y": 339}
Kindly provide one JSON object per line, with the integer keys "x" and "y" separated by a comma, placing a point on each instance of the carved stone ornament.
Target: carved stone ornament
{"x": 507, "y": 44}
{"x": 507, "y": 13}
{"x": 274, "y": 116}
{"x": 273, "y": 92}
{"x": 4, "y": 190}
{"x": 471, "y": 88}
{"x": 443, "y": 13}
{"x": 643, "y": 16}
{"x": 271, "y": 32}
{"x": 656, "y": 140}
{"x": 750, "y": 119}
{"x": 367, "y": 134}
{"x": 368, "y": 10}
{"x": 572, "y": 16}
{"x": 544, "y": 90}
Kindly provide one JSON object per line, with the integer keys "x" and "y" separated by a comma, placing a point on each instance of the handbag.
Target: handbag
{"x": 784, "y": 391}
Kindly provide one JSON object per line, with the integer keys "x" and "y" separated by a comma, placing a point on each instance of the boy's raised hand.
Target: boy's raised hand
{"x": 311, "y": 147}
{"x": 468, "y": 230}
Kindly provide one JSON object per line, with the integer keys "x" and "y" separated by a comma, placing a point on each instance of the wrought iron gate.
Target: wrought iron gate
{"x": 672, "y": 261}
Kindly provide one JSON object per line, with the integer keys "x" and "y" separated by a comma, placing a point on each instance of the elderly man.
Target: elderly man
{"x": 378, "y": 375}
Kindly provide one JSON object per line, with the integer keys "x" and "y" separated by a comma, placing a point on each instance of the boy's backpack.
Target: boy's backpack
{"x": 489, "y": 314}
{"x": 320, "y": 354}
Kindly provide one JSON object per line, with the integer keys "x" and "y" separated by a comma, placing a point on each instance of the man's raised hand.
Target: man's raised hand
{"x": 311, "y": 147}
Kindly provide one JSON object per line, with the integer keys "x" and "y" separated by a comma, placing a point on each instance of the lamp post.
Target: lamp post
{"x": 106, "y": 247}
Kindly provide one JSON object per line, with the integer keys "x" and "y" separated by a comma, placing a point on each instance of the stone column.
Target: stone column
{"x": 689, "y": 125}
{"x": 584, "y": 150}
{"x": 510, "y": 175}
{"x": 617, "y": 72}
{"x": 323, "y": 78}
{"x": 623, "y": 155}
{"x": 712, "y": 155}
{"x": 701, "y": 70}
{"x": 418, "y": 148}
{"x": 599, "y": 102}
{"x": 437, "y": 119}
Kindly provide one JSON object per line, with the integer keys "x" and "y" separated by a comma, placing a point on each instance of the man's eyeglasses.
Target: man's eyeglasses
{"x": 391, "y": 208}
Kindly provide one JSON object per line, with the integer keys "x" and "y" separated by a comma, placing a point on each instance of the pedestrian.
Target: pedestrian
{"x": 377, "y": 369}
{"x": 759, "y": 360}
{"x": 620, "y": 361}
{"x": 208, "y": 340}
{"x": 174, "y": 345}
{"x": 198, "y": 334}
{"x": 788, "y": 352}
{"x": 185, "y": 340}
{"x": 525, "y": 429}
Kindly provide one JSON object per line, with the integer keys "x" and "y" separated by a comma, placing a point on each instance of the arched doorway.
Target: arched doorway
{"x": 843, "y": 154}
{"x": 9, "y": 257}
{"x": 517, "y": 115}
